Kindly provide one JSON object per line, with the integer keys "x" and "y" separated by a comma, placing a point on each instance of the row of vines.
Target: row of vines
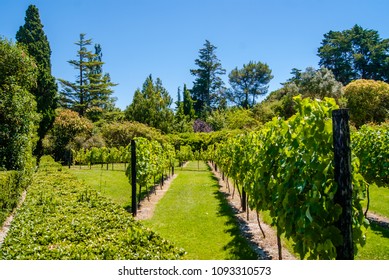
{"x": 287, "y": 169}
{"x": 371, "y": 144}
{"x": 106, "y": 156}
{"x": 154, "y": 161}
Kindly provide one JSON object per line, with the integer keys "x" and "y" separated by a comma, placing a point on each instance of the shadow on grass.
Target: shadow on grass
{"x": 239, "y": 247}
{"x": 380, "y": 228}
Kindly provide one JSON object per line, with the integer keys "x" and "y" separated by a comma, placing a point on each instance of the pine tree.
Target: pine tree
{"x": 252, "y": 80}
{"x": 92, "y": 89}
{"x": 32, "y": 36}
{"x": 208, "y": 88}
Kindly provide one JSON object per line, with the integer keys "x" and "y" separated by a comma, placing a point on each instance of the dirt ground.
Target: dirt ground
{"x": 266, "y": 247}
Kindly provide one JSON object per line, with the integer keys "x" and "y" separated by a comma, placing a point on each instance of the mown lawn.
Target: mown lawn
{"x": 193, "y": 213}
{"x": 195, "y": 216}
{"x": 379, "y": 200}
{"x": 113, "y": 184}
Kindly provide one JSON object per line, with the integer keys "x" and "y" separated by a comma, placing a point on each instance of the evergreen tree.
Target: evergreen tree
{"x": 251, "y": 80}
{"x": 208, "y": 90}
{"x": 32, "y": 36}
{"x": 179, "y": 103}
{"x": 92, "y": 90}
{"x": 188, "y": 104}
{"x": 355, "y": 53}
{"x": 151, "y": 106}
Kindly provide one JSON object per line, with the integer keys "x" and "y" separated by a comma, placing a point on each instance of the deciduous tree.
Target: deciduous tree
{"x": 18, "y": 117}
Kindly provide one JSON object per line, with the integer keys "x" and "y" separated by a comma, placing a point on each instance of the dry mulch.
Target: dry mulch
{"x": 147, "y": 205}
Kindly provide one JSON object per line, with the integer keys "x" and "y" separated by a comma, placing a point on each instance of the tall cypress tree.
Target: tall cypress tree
{"x": 208, "y": 88}
{"x": 32, "y": 36}
{"x": 188, "y": 104}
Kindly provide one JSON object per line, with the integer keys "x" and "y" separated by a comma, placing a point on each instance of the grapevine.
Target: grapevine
{"x": 287, "y": 169}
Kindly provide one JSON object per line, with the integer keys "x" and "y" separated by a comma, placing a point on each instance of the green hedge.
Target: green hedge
{"x": 62, "y": 218}
{"x": 12, "y": 184}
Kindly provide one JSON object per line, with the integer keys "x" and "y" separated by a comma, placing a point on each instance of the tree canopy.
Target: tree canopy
{"x": 355, "y": 53}
{"x": 251, "y": 80}
{"x": 151, "y": 106}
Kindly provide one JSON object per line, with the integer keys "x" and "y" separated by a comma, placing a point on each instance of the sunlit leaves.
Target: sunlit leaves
{"x": 287, "y": 168}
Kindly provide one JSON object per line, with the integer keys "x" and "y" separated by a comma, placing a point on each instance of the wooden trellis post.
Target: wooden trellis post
{"x": 343, "y": 178}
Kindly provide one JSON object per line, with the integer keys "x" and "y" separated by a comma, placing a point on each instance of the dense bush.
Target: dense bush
{"x": 68, "y": 126}
{"x": 371, "y": 145}
{"x": 63, "y": 219}
{"x": 120, "y": 134}
{"x": 368, "y": 101}
{"x": 232, "y": 118}
{"x": 18, "y": 117}
{"x": 12, "y": 184}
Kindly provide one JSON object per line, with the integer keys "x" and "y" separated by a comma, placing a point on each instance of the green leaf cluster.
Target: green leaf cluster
{"x": 152, "y": 160}
{"x": 371, "y": 144}
{"x": 287, "y": 168}
{"x": 12, "y": 184}
{"x": 18, "y": 117}
{"x": 151, "y": 106}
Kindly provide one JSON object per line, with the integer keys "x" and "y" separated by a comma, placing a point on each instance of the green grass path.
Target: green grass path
{"x": 113, "y": 184}
{"x": 196, "y": 216}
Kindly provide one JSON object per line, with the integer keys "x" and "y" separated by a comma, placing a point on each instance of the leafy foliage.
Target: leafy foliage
{"x": 12, "y": 184}
{"x": 368, "y": 101}
{"x": 312, "y": 83}
{"x": 63, "y": 219}
{"x": 67, "y": 126}
{"x": 201, "y": 126}
{"x": 18, "y": 117}
{"x": 355, "y": 53}
{"x": 152, "y": 160}
{"x": 287, "y": 168}
{"x": 371, "y": 144}
{"x": 118, "y": 134}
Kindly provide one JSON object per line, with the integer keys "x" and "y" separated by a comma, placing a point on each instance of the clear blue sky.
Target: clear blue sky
{"x": 162, "y": 38}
